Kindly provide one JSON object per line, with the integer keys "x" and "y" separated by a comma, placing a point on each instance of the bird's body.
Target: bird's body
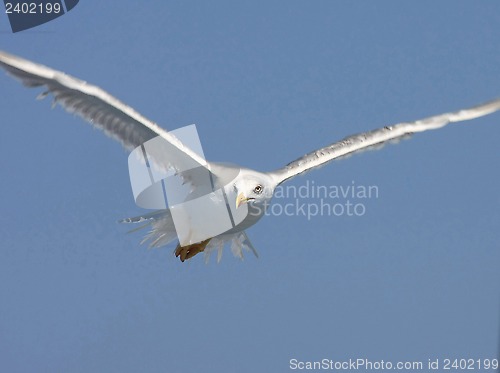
{"x": 163, "y": 223}
{"x": 251, "y": 188}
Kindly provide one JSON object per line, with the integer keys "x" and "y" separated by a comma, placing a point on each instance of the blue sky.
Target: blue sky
{"x": 415, "y": 278}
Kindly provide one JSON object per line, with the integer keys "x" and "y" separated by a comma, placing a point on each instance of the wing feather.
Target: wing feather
{"x": 96, "y": 106}
{"x": 377, "y": 138}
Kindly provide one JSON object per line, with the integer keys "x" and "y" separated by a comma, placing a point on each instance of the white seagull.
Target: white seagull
{"x": 253, "y": 188}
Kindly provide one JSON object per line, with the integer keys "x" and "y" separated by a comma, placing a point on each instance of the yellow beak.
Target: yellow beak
{"x": 241, "y": 199}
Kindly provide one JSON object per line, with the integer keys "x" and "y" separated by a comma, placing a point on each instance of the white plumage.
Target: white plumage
{"x": 131, "y": 129}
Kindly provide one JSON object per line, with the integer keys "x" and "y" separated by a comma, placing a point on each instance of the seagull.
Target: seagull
{"x": 253, "y": 189}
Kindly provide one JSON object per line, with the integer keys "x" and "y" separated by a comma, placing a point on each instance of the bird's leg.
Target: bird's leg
{"x": 186, "y": 252}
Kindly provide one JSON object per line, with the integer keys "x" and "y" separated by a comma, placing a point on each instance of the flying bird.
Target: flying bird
{"x": 252, "y": 188}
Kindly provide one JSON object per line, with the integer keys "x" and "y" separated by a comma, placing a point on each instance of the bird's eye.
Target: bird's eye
{"x": 258, "y": 189}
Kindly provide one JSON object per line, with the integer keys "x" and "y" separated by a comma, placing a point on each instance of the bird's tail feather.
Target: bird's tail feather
{"x": 162, "y": 232}
{"x": 162, "y": 229}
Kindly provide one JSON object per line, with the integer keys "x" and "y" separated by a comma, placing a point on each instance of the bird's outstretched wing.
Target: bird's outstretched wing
{"x": 379, "y": 137}
{"x": 98, "y": 107}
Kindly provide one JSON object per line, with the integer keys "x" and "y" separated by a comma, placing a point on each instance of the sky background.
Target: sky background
{"x": 415, "y": 278}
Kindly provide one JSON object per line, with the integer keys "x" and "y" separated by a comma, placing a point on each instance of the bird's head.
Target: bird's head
{"x": 254, "y": 188}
